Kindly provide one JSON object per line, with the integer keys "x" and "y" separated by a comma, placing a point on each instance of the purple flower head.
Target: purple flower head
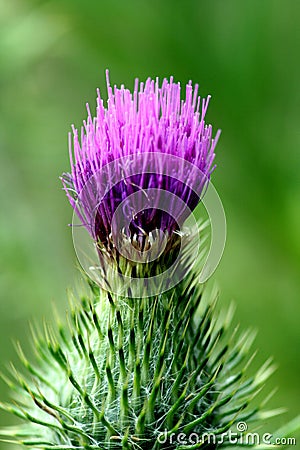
{"x": 140, "y": 166}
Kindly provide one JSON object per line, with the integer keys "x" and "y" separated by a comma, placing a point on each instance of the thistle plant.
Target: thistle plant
{"x": 145, "y": 359}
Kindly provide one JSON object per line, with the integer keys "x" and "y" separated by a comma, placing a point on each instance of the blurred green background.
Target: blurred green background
{"x": 246, "y": 54}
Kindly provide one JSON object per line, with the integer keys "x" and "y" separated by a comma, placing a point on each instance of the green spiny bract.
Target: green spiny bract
{"x": 134, "y": 373}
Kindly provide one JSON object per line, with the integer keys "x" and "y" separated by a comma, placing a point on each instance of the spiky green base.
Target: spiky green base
{"x": 132, "y": 373}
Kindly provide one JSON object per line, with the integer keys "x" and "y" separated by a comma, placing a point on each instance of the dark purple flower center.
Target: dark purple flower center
{"x": 140, "y": 221}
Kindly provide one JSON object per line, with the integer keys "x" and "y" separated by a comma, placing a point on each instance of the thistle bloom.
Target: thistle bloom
{"x": 163, "y": 371}
{"x": 144, "y": 144}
